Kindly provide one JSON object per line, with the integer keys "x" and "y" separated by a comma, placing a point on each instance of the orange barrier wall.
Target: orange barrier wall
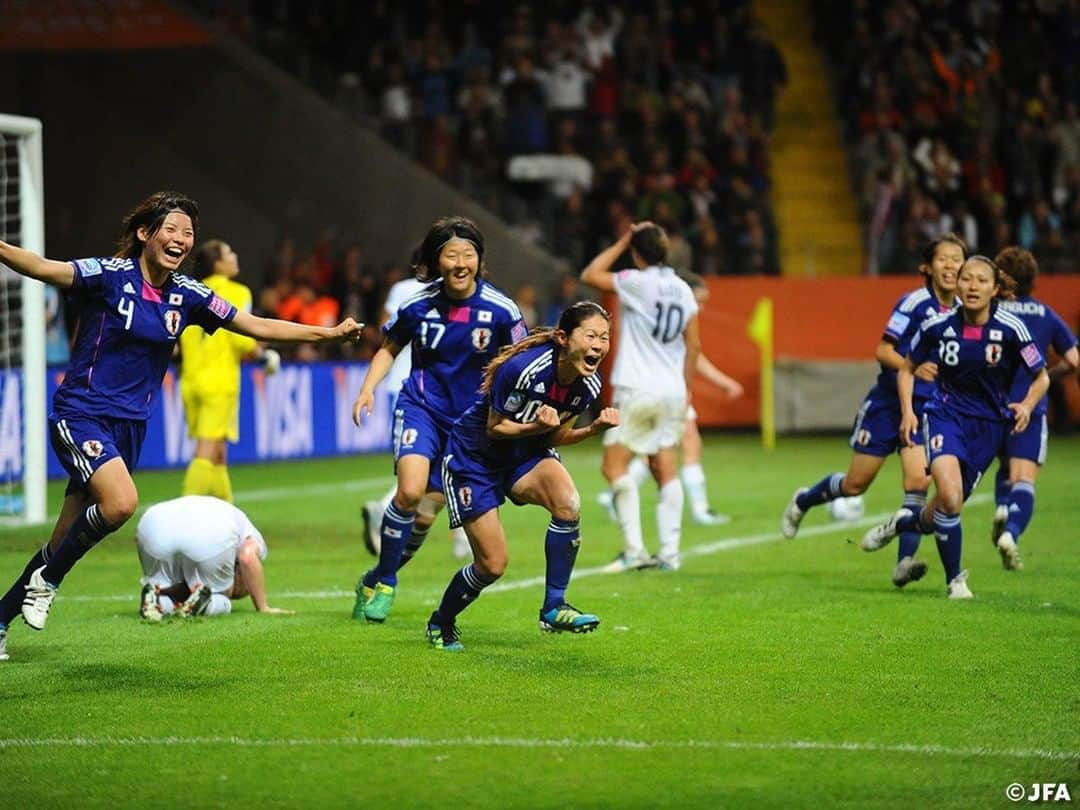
{"x": 818, "y": 319}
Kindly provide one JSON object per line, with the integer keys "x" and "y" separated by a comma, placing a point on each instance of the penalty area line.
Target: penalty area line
{"x": 603, "y": 743}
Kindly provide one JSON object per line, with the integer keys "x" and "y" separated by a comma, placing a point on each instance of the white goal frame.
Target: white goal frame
{"x": 32, "y": 217}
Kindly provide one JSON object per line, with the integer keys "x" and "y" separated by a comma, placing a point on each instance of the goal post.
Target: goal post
{"x": 22, "y": 325}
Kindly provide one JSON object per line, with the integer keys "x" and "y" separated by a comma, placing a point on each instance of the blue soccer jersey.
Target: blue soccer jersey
{"x": 976, "y": 364}
{"x": 521, "y": 386}
{"x": 911, "y": 310}
{"x": 126, "y": 335}
{"x": 1047, "y": 329}
{"x": 452, "y": 340}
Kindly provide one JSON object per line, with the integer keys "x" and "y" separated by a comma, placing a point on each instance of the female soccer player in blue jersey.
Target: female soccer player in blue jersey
{"x": 503, "y": 446}
{"x": 980, "y": 350}
{"x": 873, "y": 437}
{"x": 133, "y": 307}
{"x": 456, "y": 326}
{"x": 1025, "y": 451}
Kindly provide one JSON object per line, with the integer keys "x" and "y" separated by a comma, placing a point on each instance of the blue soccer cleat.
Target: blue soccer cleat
{"x": 567, "y": 619}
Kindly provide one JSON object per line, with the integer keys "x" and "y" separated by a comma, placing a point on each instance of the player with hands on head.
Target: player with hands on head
{"x": 657, "y": 355}
{"x": 454, "y": 326}
{"x": 504, "y": 446}
{"x": 133, "y": 307}
{"x": 980, "y": 350}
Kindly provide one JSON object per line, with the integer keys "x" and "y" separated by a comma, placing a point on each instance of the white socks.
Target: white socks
{"x": 669, "y": 519}
{"x": 628, "y": 509}
{"x": 693, "y": 479}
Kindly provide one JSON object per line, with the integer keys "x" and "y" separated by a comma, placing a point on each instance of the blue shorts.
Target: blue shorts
{"x": 418, "y": 433}
{"x": 473, "y": 488}
{"x": 876, "y": 431}
{"x": 1029, "y": 445}
{"x": 974, "y": 442}
{"x": 83, "y": 443}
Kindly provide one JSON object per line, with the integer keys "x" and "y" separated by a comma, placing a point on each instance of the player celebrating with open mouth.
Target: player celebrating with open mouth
{"x": 504, "y": 445}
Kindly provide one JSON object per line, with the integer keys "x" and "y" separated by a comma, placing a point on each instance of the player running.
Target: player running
{"x": 504, "y": 446}
{"x": 657, "y": 354}
{"x": 455, "y": 325}
{"x": 1025, "y": 451}
{"x": 133, "y": 307}
{"x": 873, "y": 436}
{"x": 979, "y": 350}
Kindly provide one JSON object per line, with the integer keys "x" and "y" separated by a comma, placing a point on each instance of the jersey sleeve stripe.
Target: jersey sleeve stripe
{"x": 913, "y": 299}
{"x": 527, "y": 373}
{"x": 1016, "y": 324}
{"x": 419, "y": 296}
{"x": 489, "y": 294}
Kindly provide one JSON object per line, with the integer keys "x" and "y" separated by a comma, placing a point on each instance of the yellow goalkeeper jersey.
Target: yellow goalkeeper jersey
{"x": 211, "y": 363}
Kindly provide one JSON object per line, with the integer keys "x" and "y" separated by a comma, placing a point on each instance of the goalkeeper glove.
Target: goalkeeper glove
{"x": 271, "y": 362}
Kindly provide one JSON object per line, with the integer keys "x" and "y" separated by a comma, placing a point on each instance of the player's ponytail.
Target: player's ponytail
{"x": 571, "y": 318}
{"x": 149, "y": 214}
{"x": 1021, "y": 266}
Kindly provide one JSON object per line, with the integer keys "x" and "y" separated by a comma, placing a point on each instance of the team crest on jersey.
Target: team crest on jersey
{"x": 176, "y": 299}
{"x": 993, "y": 354}
{"x": 863, "y": 437}
{"x": 172, "y": 321}
{"x": 408, "y": 437}
{"x": 481, "y": 337}
{"x": 92, "y": 448}
{"x": 515, "y": 401}
{"x": 937, "y": 442}
{"x": 464, "y": 496}
{"x": 484, "y": 316}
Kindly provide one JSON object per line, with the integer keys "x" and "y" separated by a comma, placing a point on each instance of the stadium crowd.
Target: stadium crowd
{"x": 960, "y": 117}
{"x": 640, "y": 110}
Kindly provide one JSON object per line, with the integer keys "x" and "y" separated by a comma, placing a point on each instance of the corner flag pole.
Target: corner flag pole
{"x": 760, "y": 330}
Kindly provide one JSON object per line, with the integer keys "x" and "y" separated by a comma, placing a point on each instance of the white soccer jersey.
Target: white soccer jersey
{"x": 195, "y": 529}
{"x": 399, "y": 372}
{"x": 655, "y": 306}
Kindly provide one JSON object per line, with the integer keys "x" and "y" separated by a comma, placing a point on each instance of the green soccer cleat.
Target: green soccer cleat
{"x": 567, "y": 619}
{"x": 377, "y": 608}
{"x": 363, "y": 595}
{"x": 442, "y": 636}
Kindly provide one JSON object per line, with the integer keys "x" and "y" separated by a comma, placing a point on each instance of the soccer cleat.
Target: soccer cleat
{"x": 149, "y": 608}
{"x": 606, "y": 498}
{"x": 3, "y": 645}
{"x": 793, "y": 515}
{"x": 629, "y": 562}
{"x": 195, "y": 604}
{"x": 377, "y": 608}
{"x": 39, "y": 598}
{"x": 908, "y": 570}
{"x": 880, "y": 536}
{"x": 710, "y": 518}
{"x": 1001, "y": 517}
{"x": 1010, "y": 552}
{"x": 363, "y": 595}
{"x": 443, "y": 636}
{"x": 371, "y": 512}
{"x": 667, "y": 563}
{"x": 958, "y": 588}
{"x": 567, "y": 619}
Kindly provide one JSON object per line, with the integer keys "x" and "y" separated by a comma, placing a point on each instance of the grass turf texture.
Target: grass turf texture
{"x": 773, "y": 673}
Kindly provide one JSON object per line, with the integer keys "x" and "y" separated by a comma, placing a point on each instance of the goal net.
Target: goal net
{"x": 22, "y": 327}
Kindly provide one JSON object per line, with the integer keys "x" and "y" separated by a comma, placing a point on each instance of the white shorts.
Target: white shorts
{"x": 647, "y": 422}
{"x": 218, "y": 571}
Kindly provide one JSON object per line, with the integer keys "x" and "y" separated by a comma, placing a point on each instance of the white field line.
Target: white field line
{"x": 604, "y": 743}
{"x": 700, "y": 550}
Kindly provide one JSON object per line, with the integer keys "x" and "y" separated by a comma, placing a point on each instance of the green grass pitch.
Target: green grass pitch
{"x": 765, "y": 673}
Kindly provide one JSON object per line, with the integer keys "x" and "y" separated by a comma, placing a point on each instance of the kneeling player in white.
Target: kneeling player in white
{"x": 656, "y": 355}
{"x": 198, "y": 553}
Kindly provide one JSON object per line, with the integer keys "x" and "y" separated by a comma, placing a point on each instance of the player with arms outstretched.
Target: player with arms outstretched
{"x": 656, "y": 357}
{"x": 504, "y": 446}
{"x": 980, "y": 350}
{"x": 455, "y": 326}
{"x": 133, "y": 307}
